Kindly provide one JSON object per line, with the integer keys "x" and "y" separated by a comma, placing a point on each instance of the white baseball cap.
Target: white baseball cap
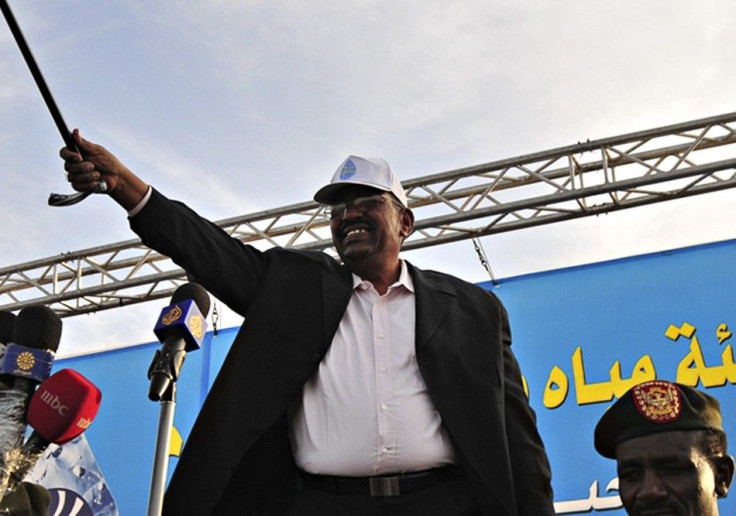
{"x": 373, "y": 172}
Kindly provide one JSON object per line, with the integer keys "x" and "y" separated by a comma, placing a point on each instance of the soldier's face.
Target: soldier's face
{"x": 667, "y": 474}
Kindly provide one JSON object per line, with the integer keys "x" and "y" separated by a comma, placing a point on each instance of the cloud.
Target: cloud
{"x": 239, "y": 106}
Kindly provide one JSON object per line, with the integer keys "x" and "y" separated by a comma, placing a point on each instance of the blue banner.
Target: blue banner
{"x": 583, "y": 335}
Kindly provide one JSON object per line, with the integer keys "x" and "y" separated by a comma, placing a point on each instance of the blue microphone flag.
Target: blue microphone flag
{"x": 183, "y": 319}
{"x": 30, "y": 363}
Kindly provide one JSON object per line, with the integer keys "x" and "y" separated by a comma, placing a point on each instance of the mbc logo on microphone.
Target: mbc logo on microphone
{"x": 54, "y": 402}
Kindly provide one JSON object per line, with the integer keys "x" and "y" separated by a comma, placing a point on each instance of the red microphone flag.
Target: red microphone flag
{"x": 63, "y": 406}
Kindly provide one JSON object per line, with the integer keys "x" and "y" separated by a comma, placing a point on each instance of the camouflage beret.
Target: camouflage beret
{"x": 652, "y": 407}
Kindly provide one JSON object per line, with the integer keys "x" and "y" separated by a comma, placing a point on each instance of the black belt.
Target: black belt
{"x": 387, "y": 485}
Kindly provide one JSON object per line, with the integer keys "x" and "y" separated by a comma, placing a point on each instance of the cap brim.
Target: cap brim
{"x": 326, "y": 194}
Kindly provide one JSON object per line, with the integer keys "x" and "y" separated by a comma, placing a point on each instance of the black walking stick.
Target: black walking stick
{"x": 54, "y": 198}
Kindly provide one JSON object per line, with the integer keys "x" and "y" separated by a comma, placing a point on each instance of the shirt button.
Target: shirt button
{"x": 384, "y": 450}
{"x": 384, "y": 406}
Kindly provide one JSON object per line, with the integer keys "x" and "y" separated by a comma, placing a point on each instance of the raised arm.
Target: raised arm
{"x": 226, "y": 267}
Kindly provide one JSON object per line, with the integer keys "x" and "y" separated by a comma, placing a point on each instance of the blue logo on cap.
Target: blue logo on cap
{"x": 348, "y": 170}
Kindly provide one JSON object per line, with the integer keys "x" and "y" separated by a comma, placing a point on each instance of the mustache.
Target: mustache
{"x": 361, "y": 222}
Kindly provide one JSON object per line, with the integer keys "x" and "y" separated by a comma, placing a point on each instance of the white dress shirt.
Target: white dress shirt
{"x": 366, "y": 411}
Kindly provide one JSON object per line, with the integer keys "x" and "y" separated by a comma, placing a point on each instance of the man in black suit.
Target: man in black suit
{"x": 362, "y": 387}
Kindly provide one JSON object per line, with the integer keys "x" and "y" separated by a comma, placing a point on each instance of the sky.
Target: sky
{"x": 243, "y": 106}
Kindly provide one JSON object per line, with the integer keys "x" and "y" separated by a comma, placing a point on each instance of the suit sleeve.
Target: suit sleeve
{"x": 530, "y": 466}
{"x": 227, "y": 268}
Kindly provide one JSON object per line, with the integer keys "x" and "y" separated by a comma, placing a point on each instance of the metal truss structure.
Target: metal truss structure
{"x": 588, "y": 178}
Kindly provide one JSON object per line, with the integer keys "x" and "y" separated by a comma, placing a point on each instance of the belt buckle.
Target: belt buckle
{"x": 384, "y": 486}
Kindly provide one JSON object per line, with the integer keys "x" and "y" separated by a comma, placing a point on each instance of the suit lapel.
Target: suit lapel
{"x": 434, "y": 297}
{"x": 336, "y": 292}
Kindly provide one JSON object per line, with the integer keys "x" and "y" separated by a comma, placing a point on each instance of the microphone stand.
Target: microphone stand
{"x": 179, "y": 326}
{"x": 161, "y": 456}
{"x": 163, "y": 373}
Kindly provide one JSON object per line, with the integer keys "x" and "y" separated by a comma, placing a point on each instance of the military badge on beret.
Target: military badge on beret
{"x": 657, "y": 401}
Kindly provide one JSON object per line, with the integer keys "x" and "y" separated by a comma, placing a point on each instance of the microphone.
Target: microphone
{"x": 28, "y": 357}
{"x": 7, "y": 323}
{"x": 60, "y": 410}
{"x": 12, "y": 404}
{"x": 180, "y": 328}
{"x": 26, "y": 363}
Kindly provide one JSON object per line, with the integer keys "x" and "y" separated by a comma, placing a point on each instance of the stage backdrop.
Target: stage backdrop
{"x": 583, "y": 335}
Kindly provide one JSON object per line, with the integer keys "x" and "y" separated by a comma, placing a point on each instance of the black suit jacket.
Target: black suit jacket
{"x": 237, "y": 459}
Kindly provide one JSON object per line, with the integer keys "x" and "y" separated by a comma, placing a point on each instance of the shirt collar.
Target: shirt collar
{"x": 404, "y": 279}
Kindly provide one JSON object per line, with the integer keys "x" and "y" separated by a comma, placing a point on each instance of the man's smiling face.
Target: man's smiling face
{"x": 374, "y": 232}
